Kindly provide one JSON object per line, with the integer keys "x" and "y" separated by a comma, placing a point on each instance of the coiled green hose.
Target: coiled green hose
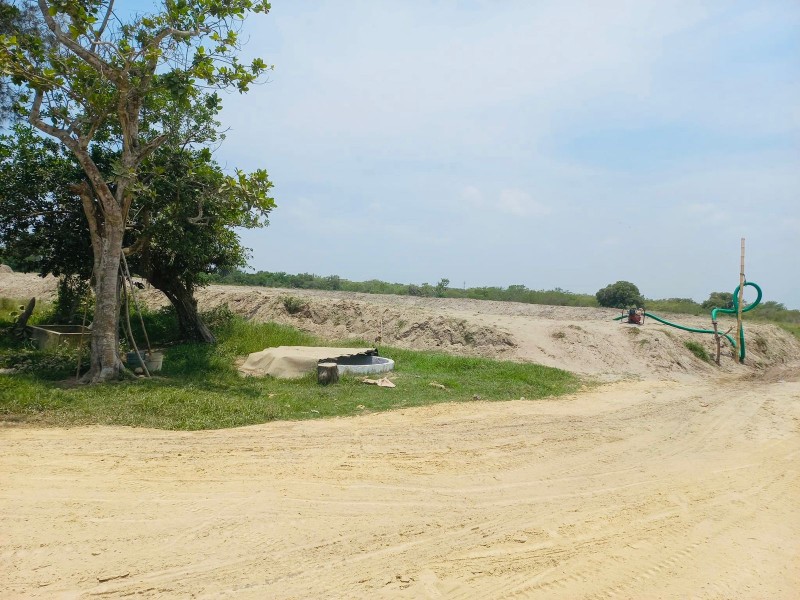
{"x": 731, "y": 311}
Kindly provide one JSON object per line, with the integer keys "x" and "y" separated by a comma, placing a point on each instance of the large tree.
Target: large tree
{"x": 97, "y": 71}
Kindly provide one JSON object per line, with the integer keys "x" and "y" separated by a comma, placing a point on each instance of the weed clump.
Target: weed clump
{"x": 698, "y": 350}
{"x": 293, "y": 305}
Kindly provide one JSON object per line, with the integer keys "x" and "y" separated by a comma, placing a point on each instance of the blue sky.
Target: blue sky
{"x": 551, "y": 144}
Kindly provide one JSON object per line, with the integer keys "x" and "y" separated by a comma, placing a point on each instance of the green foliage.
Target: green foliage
{"x": 441, "y": 287}
{"x": 514, "y": 293}
{"x": 718, "y": 300}
{"x": 21, "y": 355}
{"x": 73, "y": 301}
{"x": 13, "y": 20}
{"x": 775, "y": 312}
{"x": 199, "y": 387}
{"x": 219, "y": 317}
{"x": 42, "y": 227}
{"x": 622, "y": 294}
{"x": 293, "y": 305}
{"x": 698, "y": 350}
{"x": 188, "y": 215}
{"x": 793, "y": 328}
{"x": 162, "y": 324}
{"x": 170, "y": 55}
{"x": 519, "y": 293}
{"x": 675, "y": 305}
{"x": 183, "y": 229}
{"x": 52, "y": 364}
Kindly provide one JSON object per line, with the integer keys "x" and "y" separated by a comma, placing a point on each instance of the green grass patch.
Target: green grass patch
{"x": 697, "y": 349}
{"x": 199, "y": 387}
{"x": 793, "y": 328}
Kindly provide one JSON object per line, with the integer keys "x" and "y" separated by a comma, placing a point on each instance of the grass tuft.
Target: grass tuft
{"x": 698, "y": 350}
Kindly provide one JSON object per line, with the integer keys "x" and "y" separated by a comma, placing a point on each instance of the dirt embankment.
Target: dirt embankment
{"x": 582, "y": 340}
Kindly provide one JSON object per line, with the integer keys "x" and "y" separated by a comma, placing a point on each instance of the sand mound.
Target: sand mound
{"x": 582, "y": 340}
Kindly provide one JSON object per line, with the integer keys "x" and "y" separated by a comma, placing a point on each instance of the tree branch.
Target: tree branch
{"x": 144, "y": 151}
{"x": 84, "y": 190}
{"x": 100, "y": 31}
{"x": 152, "y": 63}
{"x": 138, "y": 245}
{"x": 35, "y": 119}
{"x": 89, "y": 57}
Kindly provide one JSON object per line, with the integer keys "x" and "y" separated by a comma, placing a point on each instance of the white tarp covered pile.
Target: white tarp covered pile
{"x": 290, "y": 362}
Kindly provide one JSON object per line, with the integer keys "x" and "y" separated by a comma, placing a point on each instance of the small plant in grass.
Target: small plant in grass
{"x": 698, "y": 350}
{"x": 292, "y": 304}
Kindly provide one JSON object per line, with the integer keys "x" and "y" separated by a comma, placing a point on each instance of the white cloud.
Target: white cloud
{"x": 520, "y": 204}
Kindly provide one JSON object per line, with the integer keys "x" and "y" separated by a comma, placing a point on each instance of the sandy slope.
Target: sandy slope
{"x": 682, "y": 482}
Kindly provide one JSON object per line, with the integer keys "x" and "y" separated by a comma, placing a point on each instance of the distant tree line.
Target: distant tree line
{"x": 620, "y": 294}
{"x": 442, "y": 289}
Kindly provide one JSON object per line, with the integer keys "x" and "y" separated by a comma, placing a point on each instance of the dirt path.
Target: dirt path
{"x": 638, "y": 490}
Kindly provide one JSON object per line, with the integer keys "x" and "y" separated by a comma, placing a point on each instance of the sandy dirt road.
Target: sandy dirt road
{"x": 648, "y": 489}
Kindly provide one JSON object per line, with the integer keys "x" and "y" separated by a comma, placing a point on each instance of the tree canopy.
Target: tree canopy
{"x": 718, "y": 300}
{"x": 622, "y": 294}
{"x": 88, "y": 75}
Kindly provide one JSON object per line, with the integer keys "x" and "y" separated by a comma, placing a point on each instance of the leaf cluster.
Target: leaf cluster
{"x": 80, "y": 67}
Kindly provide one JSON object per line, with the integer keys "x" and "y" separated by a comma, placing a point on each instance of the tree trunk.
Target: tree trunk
{"x": 105, "y": 362}
{"x": 190, "y": 324}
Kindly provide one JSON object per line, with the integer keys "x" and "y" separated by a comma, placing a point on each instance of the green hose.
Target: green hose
{"x": 734, "y": 310}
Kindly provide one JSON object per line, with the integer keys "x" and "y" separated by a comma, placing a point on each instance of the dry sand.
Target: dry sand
{"x": 675, "y": 480}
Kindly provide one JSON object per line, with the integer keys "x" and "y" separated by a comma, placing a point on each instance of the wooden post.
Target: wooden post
{"x": 327, "y": 373}
{"x": 739, "y": 305}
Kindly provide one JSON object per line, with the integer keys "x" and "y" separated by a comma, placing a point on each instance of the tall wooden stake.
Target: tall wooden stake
{"x": 739, "y": 306}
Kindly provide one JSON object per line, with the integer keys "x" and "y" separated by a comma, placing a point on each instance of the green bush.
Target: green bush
{"x": 718, "y": 300}
{"x": 73, "y": 300}
{"x": 293, "y": 305}
{"x": 622, "y": 294}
